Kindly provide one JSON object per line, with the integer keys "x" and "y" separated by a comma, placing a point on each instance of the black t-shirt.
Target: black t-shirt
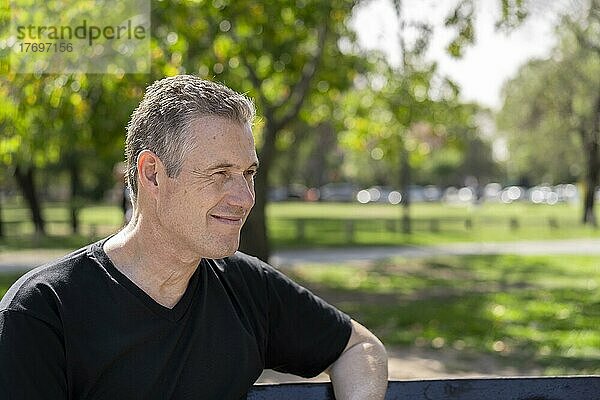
{"x": 79, "y": 329}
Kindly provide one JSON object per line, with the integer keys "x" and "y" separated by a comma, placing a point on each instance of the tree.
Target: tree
{"x": 24, "y": 144}
{"x": 552, "y": 108}
{"x": 282, "y": 54}
{"x": 73, "y": 122}
{"x": 586, "y": 31}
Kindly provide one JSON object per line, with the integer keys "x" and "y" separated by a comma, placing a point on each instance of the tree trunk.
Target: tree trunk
{"x": 320, "y": 159}
{"x": 589, "y": 217}
{"x": 1, "y": 220}
{"x": 290, "y": 158}
{"x": 75, "y": 202}
{"x": 25, "y": 181}
{"x": 254, "y": 239}
{"x": 405, "y": 177}
{"x": 591, "y": 181}
{"x": 593, "y": 163}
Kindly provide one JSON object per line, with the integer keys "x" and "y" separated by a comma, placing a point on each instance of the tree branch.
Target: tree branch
{"x": 300, "y": 90}
{"x": 254, "y": 79}
{"x": 581, "y": 37}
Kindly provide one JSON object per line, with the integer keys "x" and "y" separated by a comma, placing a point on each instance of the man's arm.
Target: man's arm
{"x": 361, "y": 370}
{"x": 32, "y": 359}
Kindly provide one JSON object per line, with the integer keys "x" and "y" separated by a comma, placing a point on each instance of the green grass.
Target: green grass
{"x": 542, "y": 310}
{"x": 328, "y": 224}
{"x": 96, "y": 221}
{"x": 7, "y": 279}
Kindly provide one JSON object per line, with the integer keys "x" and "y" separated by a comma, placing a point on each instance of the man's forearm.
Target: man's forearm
{"x": 361, "y": 372}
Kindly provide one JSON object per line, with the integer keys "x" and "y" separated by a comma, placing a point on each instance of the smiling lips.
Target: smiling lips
{"x": 229, "y": 219}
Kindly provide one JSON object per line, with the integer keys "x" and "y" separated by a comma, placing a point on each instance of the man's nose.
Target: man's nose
{"x": 241, "y": 192}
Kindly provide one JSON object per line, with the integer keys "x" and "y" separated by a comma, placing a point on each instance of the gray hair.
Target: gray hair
{"x": 160, "y": 123}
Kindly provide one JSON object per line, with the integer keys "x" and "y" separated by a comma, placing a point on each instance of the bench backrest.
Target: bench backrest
{"x": 535, "y": 388}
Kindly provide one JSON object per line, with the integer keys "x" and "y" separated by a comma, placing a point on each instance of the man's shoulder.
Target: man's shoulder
{"x": 242, "y": 267}
{"x": 41, "y": 286}
{"x": 246, "y": 263}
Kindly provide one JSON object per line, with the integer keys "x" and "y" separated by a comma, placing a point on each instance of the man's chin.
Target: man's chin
{"x": 226, "y": 250}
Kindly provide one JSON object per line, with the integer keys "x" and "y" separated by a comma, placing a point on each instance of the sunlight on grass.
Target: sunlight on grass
{"x": 543, "y": 309}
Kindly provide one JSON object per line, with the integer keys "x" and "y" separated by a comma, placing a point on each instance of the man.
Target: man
{"x": 166, "y": 308}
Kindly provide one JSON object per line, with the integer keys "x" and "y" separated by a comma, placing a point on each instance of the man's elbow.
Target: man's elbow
{"x": 367, "y": 343}
{"x": 361, "y": 371}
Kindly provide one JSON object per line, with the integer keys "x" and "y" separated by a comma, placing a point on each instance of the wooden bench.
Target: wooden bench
{"x": 521, "y": 388}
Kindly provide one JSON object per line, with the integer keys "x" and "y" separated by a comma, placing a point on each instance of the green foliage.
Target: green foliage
{"x": 262, "y": 49}
{"x": 462, "y": 18}
{"x": 548, "y": 111}
{"x": 414, "y": 110}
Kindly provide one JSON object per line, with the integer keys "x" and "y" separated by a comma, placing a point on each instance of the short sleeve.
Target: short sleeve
{"x": 32, "y": 358}
{"x": 305, "y": 334}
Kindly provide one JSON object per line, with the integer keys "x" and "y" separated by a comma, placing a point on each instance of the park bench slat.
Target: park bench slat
{"x": 520, "y": 388}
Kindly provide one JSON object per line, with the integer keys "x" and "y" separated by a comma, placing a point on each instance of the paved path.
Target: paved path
{"x": 27, "y": 259}
{"x": 23, "y": 260}
{"x": 364, "y": 254}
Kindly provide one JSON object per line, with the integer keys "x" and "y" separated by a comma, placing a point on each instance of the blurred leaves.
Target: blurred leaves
{"x": 548, "y": 106}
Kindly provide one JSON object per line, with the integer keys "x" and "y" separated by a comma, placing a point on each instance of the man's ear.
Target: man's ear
{"x": 149, "y": 168}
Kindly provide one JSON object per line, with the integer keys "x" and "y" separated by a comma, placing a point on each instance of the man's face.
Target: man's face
{"x": 204, "y": 208}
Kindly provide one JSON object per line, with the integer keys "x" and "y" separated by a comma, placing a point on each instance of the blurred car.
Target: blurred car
{"x": 432, "y": 193}
{"x": 342, "y": 191}
{"x": 513, "y": 193}
{"x": 277, "y": 193}
{"x": 379, "y": 194}
{"x": 416, "y": 193}
{"x": 492, "y": 191}
{"x": 542, "y": 195}
{"x": 465, "y": 194}
{"x": 567, "y": 193}
{"x": 294, "y": 191}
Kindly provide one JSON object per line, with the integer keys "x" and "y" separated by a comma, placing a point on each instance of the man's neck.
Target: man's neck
{"x": 158, "y": 268}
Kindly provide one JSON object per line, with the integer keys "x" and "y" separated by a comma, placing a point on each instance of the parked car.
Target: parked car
{"x": 432, "y": 193}
{"x": 342, "y": 191}
{"x": 492, "y": 192}
{"x": 567, "y": 193}
{"x": 294, "y": 191}
{"x": 513, "y": 193}
{"x": 379, "y": 194}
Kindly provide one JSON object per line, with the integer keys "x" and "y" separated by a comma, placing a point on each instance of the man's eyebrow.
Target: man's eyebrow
{"x": 225, "y": 165}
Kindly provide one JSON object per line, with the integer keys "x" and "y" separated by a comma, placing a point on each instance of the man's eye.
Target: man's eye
{"x": 250, "y": 173}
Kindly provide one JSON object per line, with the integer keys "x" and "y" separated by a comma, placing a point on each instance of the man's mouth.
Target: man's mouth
{"x": 229, "y": 219}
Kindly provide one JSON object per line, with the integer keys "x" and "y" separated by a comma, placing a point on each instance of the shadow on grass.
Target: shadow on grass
{"x": 539, "y": 311}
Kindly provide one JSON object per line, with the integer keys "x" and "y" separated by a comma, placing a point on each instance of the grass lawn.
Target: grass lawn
{"x": 326, "y": 224}
{"x": 298, "y": 225}
{"x": 526, "y": 310}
